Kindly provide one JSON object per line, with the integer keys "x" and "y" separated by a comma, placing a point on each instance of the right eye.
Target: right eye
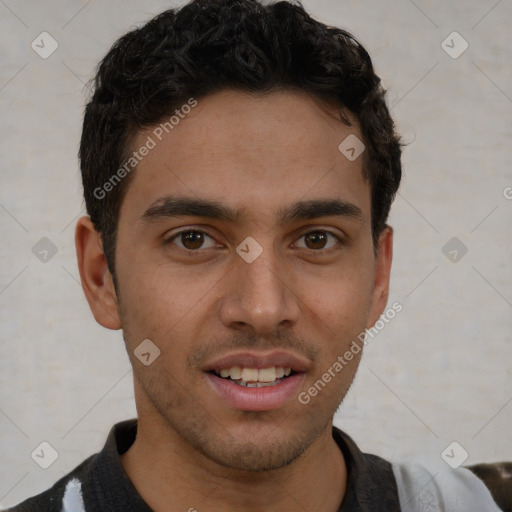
{"x": 191, "y": 239}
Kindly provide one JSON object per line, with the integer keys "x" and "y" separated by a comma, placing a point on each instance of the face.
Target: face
{"x": 244, "y": 251}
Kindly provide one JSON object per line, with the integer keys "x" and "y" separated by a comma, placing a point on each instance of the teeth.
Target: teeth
{"x": 267, "y": 374}
{"x": 250, "y": 375}
{"x": 261, "y": 384}
{"x": 235, "y": 372}
{"x": 255, "y": 376}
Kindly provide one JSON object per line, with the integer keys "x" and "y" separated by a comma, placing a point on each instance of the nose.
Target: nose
{"x": 259, "y": 296}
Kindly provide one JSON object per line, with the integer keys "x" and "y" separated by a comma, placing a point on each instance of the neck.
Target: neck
{"x": 170, "y": 475}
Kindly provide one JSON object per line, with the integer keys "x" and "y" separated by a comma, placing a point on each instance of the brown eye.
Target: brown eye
{"x": 191, "y": 239}
{"x": 318, "y": 240}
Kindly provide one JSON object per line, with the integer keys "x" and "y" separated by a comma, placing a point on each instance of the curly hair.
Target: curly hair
{"x": 210, "y": 45}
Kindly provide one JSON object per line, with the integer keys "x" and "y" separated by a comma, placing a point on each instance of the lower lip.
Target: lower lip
{"x": 256, "y": 399}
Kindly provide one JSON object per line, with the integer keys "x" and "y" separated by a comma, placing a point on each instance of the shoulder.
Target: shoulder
{"x": 454, "y": 489}
{"x": 64, "y": 496}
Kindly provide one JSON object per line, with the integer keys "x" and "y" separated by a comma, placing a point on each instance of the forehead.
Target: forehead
{"x": 254, "y": 152}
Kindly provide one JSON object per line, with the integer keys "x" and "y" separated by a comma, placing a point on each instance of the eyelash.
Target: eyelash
{"x": 178, "y": 234}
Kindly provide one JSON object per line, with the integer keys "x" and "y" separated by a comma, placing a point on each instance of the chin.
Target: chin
{"x": 243, "y": 451}
{"x": 253, "y": 457}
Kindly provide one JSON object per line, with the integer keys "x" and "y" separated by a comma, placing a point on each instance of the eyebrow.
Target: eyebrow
{"x": 179, "y": 206}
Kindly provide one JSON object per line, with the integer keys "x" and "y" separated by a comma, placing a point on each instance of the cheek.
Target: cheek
{"x": 162, "y": 305}
{"x": 343, "y": 300}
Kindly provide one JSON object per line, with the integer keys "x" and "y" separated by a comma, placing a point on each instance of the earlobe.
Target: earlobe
{"x": 382, "y": 274}
{"x": 97, "y": 282}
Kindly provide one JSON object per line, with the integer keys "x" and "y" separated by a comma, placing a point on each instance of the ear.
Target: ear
{"x": 382, "y": 274}
{"x": 97, "y": 281}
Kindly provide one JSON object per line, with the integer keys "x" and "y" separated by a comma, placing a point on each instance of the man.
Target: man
{"x": 239, "y": 163}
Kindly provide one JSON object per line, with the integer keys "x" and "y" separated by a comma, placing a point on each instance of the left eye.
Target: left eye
{"x": 192, "y": 239}
{"x": 318, "y": 240}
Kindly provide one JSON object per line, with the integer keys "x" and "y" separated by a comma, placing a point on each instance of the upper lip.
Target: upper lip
{"x": 259, "y": 360}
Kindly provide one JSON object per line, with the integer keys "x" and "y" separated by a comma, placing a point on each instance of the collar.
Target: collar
{"x": 371, "y": 484}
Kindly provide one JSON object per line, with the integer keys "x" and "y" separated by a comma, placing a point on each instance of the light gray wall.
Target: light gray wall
{"x": 439, "y": 372}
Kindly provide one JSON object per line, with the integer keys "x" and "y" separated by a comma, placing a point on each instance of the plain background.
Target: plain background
{"x": 438, "y": 373}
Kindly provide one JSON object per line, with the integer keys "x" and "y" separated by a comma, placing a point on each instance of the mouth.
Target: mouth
{"x": 254, "y": 377}
{"x": 256, "y": 381}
